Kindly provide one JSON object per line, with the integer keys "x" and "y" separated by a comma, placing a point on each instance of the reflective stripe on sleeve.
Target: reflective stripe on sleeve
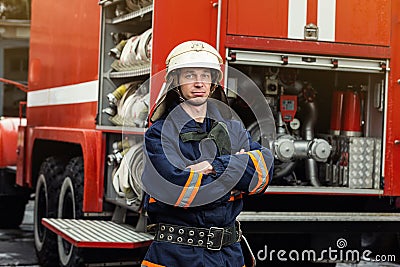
{"x": 150, "y": 264}
{"x": 190, "y": 189}
{"x": 261, "y": 169}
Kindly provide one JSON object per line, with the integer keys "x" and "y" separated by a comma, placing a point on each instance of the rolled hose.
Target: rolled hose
{"x": 126, "y": 180}
{"x": 136, "y": 50}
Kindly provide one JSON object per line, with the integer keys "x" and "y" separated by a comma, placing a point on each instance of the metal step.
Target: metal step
{"x": 252, "y": 216}
{"x": 97, "y": 234}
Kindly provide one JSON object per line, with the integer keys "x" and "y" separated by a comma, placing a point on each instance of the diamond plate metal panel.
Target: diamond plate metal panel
{"x": 377, "y": 163}
{"x": 361, "y": 162}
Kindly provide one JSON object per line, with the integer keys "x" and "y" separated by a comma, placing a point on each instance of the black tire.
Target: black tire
{"x": 13, "y": 208}
{"x": 70, "y": 207}
{"x": 46, "y": 198}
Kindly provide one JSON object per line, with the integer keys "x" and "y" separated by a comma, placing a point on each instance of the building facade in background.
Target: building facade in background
{"x": 14, "y": 52}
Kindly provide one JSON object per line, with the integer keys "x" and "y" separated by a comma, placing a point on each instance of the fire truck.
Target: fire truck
{"x": 328, "y": 69}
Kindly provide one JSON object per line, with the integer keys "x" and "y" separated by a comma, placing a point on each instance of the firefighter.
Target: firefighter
{"x": 198, "y": 163}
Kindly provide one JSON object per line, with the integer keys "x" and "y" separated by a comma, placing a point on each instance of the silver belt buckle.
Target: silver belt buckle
{"x": 210, "y": 237}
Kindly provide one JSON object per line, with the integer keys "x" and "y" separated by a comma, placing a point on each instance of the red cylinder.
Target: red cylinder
{"x": 8, "y": 141}
{"x": 351, "y": 120}
{"x": 336, "y": 114}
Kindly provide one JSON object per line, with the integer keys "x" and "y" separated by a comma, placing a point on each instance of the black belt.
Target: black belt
{"x": 213, "y": 238}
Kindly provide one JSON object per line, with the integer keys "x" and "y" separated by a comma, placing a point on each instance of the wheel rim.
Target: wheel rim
{"x": 67, "y": 213}
{"x": 66, "y": 210}
{"x": 41, "y": 211}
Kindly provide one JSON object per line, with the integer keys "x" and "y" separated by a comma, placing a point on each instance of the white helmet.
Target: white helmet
{"x": 195, "y": 54}
{"x": 190, "y": 54}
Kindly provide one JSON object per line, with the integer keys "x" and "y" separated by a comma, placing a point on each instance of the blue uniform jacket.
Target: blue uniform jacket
{"x": 177, "y": 195}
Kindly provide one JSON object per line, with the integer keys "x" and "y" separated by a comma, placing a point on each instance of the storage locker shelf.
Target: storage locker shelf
{"x": 135, "y": 14}
{"x": 121, "y": 129}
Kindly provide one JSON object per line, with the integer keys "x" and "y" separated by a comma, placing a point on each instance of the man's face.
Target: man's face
{"x": 195, "y": 84}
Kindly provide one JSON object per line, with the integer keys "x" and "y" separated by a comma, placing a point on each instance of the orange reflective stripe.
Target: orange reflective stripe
{"x": 195, "y": 190}
{"x": 265, "y": 168}
{"x": 185, "y": 188}
{"x": 150, "y": 264}
{"x": 152, "y": 200}
{"x": 261, "y": 169}
{"x": 259, "y": 172}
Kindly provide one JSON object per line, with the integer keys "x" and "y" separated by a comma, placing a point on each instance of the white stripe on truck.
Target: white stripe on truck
{"x": 69, "y": 94}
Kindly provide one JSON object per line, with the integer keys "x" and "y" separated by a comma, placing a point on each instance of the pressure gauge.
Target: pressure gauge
{"x": 294, "y": 124}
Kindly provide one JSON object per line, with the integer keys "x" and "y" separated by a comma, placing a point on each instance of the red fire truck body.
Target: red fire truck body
{"x": 315, "y": 50}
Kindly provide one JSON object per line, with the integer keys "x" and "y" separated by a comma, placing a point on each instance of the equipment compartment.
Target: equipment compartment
{"x": 125, "y": 63}
{"x": 318, "y": 101}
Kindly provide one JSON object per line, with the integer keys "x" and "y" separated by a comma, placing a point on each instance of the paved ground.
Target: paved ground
{"x": 17, "y": 245}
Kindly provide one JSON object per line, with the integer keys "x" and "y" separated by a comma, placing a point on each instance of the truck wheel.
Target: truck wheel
{"x": 46, "y": 207}
{"x": 70, "y": 207}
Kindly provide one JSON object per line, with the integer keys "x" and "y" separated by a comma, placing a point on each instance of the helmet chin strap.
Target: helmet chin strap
{"x": 213, "y": 87}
